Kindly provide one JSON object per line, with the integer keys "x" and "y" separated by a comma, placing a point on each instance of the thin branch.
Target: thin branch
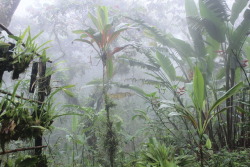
{"x": 6, "y": 29}
{"x": 21, "y": 149}
{"x": 20, "y": 97}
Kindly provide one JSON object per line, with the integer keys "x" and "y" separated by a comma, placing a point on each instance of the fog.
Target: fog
{"x": 128, "y": 80}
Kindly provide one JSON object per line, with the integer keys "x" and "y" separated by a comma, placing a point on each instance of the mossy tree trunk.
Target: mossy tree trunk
{"x": 7, "y": 9}
{"x": 41, "y": 99}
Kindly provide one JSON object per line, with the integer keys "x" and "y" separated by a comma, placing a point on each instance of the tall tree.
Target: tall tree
{"x": 7, "y": 9}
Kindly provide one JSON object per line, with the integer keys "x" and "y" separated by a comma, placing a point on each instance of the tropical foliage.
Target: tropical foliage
{"x": 186, "y": 104}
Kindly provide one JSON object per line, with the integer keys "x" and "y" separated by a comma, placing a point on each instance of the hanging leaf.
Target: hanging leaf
{"x": 199, "y": 89}
{"x": 228, "y": 94}
{"x": 212, "y": 19}
{"x": 135, "y": 89}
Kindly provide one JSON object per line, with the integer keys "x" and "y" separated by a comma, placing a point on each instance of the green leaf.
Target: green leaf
{"x": 166, "y": 65}
{"x": 36, "y": 36}
{"x": 16, "y": 38}
{"x": 59, "y": 89}
{"x": 67, "y": 114}
{"x": 143, "y": 117}
{"x": 211, "y": 20}
{"x": 4, "y": 45}
{"x": 15, "y": 90}
{"x": 219, "y": 8}
{"x": 212, "y": 46}
{"x": 78, "y": 31}
{"x": 199, "y": 89}
{"x": 183, "y": 48}
{"x": 240, "y": 34}
{"x": 119, "y": 29}
{"x": 214, "y": 30}
{"x": 239, "y": 109}
{"x": 228, "y": 94}
{"x": 85, "y": 41}
{"x": 208, "y": 144}
{"x": 95, "y": 22}
{"x": 68, "y": 92}
{"x": 94, "y": 82}
{"x": 27, "y": 30}
{"x": 138, "y": 63}
{"x": 39, "y": 127}
{"x": 220, "y": 74}
{"x": 102, "y": 15}
{"x": 191, "y": 8}
{"x": 237, "y": 8}
{"x": 174, "y": 114}
{"x": 134, "y": 88}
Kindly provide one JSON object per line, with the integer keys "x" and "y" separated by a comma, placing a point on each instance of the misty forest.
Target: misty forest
{"x": 115, "y": 83}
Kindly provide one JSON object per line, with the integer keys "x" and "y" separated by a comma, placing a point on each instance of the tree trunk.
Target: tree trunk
{"x": 7, "y": 9}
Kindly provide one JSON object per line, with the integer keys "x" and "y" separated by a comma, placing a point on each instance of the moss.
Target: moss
{"x": 21, "y": 125}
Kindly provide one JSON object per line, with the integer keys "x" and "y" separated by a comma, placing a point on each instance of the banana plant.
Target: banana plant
{"x": 202, "y": 114}
{"x": 218, "y": 45}
{"x": 218, "y": 27}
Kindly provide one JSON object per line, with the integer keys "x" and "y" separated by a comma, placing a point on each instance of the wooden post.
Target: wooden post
{"x": 41, "y": 98}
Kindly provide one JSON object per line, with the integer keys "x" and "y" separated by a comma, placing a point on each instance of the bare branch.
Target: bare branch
{"x": 21, "y": 149}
